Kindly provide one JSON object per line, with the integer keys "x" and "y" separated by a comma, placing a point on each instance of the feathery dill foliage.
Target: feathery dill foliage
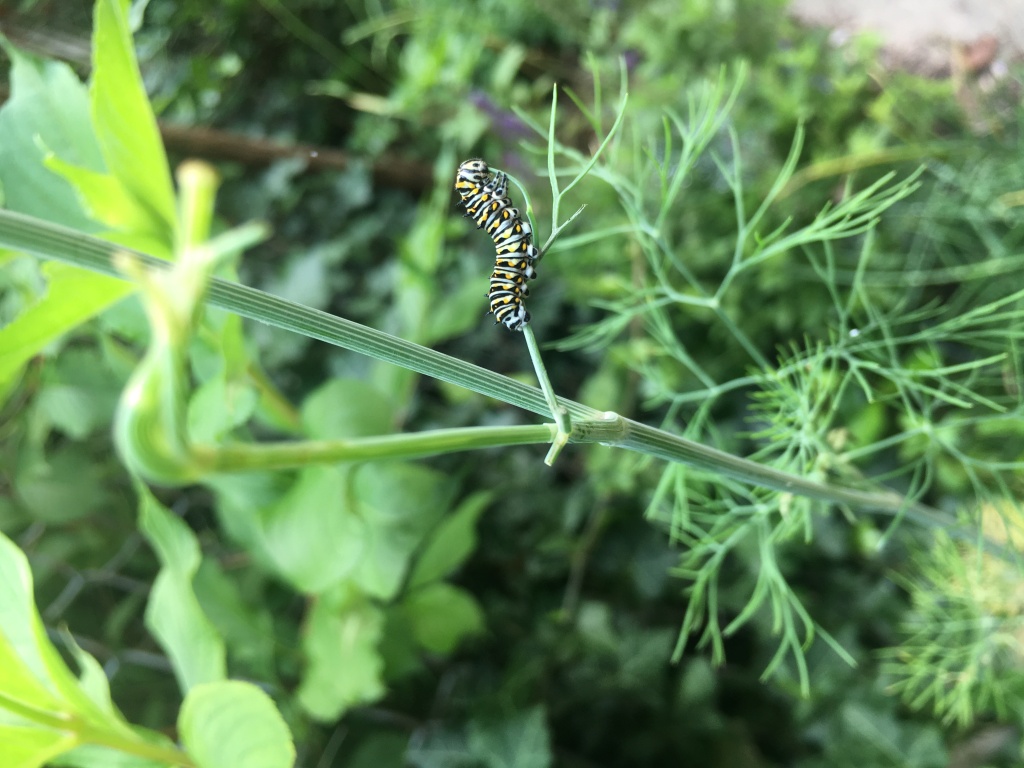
{"x": 963, "y": 649}
{"x": 908, "y": 357}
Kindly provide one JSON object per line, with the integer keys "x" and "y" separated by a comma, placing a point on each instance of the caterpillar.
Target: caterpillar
{"x": 485, "y": 198}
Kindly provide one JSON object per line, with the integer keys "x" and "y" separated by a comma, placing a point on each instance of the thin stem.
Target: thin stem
{"x": 556, "y": 230}
{"x": 561, "y": 415}
{"x": 597, "y": 153}
{"x": 556, "y": 196}
{"x": 418, "y": 445}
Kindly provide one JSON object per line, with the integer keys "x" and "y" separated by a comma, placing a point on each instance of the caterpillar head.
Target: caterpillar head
{"x": 474, "y": 170}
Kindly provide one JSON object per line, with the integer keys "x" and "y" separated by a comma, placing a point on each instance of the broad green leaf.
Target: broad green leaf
{"x": 347, "y": 408}
{"x": 124, "y": 122}
{"x": 460, "y": 312}
{"x": 65, "y": 485}
{"x": 442, "y": 615}
{"x": 69, "y": 409}
{"x": 72, "y": 297}
{"x": 31, "y": 665}
{"x": 402, "y": 655}
{"x": 344, "y": 667}
{"x": 340, "y": 522}
{"x": 18, "y": 685}
{"x": 421, "y": 318}
{"x": 173, "y": 614}
{"x": 105, "y": 198}
{"x": 420, "y": 254}
{"x": 233, "y": 724}
{"x": 450, "y": 543}
{"x": 30, "y": 747}
{"x": 37, "y": 690}
{"x": 313, "y": 536}
{"x": 519, "y": 741}
{"x": 218, "y": 406}
{"x": 245, "y": 622}
{"x": 401, "y": 503}
{"x": 48, "y": 111}
{"x": 92, "y": 679}
{"x": 240, "y": 496}
{"x": 79, "y": 392}
{"x": 369, "y": 518}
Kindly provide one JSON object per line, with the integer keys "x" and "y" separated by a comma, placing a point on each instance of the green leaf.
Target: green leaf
{"x": 173, "y": 613}
{"x": 344, "y": 667}
{"x": 106, "y": 200}
{"x": 442, "y": 615}
{"x": 32, "y": 669}
{"x": 44, "y": 709}
{"x": 48, "y": 111}
{"x": 401, "y": 654}
{"x": 93, "y": 679}
{"x": 347, "y": 408}
{"x": 74, "y": 410}
{"x": 124, "y": 122}
{"x": 312, "y": 536}
{"x": 20, "y": 685}
{"x": 520, "y": 741}
{"x": 104, "y": 145}
{"x": 218, "y": 406}
{"x": 245, "y": 622}
{"x": 80, "y": 392}
{"x": 30, "y": 747}
{"x": 241, "y": 499}
{"x": 400, "y": 503}
{"x": 462, "y": 310}
{"x": 65, "y": 485}
{"x": 72, "y": 297}
{"x": 451, "y": 543}
{"x": 234, "y": 725}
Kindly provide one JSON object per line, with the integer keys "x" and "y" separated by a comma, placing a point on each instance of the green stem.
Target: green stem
{"x": 274, "y": 407}
{"x": 556, "y": 198}
{"x": 557, "y": 230}
{"x": 28, "y": 235}
{"x": 417, "y": 445}
{"x": 560, "y": 414}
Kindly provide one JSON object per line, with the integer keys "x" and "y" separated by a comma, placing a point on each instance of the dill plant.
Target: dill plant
{"x": 875, "y": 380}
{"x": 962, "y": 650}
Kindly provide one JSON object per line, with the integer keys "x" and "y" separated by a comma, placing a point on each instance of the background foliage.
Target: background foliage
{"x": 480, "y": 609}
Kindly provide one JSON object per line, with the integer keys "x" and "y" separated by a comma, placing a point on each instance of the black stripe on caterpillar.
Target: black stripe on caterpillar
{"x": 485, "y": 198}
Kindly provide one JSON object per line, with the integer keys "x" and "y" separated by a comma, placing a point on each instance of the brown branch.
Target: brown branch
{"x": 212, "y": 143}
